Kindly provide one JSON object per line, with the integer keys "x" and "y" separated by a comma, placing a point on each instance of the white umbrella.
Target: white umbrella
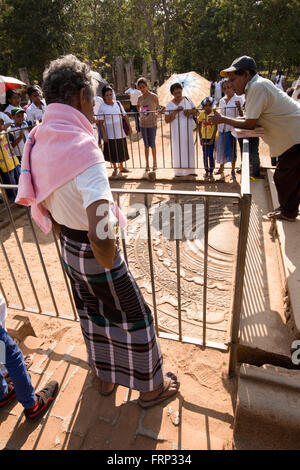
{"x": 6, "y": 83}
{"x": 194, "y": 87}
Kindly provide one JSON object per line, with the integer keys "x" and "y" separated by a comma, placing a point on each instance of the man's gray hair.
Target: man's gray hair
{"x": 64, "y": 78}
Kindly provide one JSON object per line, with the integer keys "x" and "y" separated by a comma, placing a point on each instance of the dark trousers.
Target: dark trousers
{"x": 208, "y": 156}
{"x": 253, "y": 154}
{"x": 287, "y": 181}
{"x": 136, "y": 117}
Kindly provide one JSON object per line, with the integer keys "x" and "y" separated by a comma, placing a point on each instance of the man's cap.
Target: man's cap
{"x": 244, "y": 62}
{"x": 15, "y": 111}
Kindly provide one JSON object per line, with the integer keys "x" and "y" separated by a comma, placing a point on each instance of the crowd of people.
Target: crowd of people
{"x": 116, "y": 322}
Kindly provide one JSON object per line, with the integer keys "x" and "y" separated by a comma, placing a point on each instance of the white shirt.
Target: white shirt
{"x": 6, "y": 119}
{"x": 111, "y": 115}
{"x": 278, "y": 81}
{"x": 218, "y": 90}
{"x": 276, "y": 112}
{"x": 34, "y": 113}
{"x": 98, "y": 101}
{"x": 134, "y": 95}
{"x": 15, "y": 132}
{"x": 3, "y": 311}
{"x": 68, "y": 203}
{"x": 229, "y": 109}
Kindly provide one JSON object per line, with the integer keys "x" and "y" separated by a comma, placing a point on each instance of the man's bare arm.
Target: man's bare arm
{"x": 101, "y": 233}
{"x": 244, "y": 123}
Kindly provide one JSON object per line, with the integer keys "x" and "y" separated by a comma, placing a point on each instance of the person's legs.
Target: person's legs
{"x": 274, "y": 161}
{"x": 146, "y": 146}
{"x": 211, "y": 158}
{"x": 205, "y": 156}
{"x": 136, "y": 117}
{"x": 14, "y": 363}
{"x": 8, "y": 178}
{"x": 151, "y": 139}
{"x": 254, "y": 156}
{"x": 286, "y": 179}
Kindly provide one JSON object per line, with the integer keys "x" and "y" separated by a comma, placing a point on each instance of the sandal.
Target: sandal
{"x": 163, "y": 395}
{"x": 124, "y": 170}
{"x": 219, "y": 172}
{"x": 147, "y": 168}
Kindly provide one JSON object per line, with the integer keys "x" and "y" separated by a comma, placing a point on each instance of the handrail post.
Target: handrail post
{"x": 245, "y": 206}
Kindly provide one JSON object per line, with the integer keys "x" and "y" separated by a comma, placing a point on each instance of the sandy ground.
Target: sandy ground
{"x": 206, "y": 400}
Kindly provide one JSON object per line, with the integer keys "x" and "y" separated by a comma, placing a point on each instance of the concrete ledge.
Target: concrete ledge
{"x": 19, "y": 327}
{"x": 289, "y": 236}
{"x": 268, "y": 409}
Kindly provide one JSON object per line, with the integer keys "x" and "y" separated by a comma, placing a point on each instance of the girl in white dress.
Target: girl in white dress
{"x": 180, "y": 114}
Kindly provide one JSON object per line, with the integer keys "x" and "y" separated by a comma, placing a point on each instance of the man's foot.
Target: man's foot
{"x": 168, "y": 389}
{"x": 11, "y": 394}
{"x": 281, "y": 216}
{"x": 274, "y": 212}
{"x": 44, "y": 398}
{"x": 206, "y": 175}
{"x": 106, "y": 388}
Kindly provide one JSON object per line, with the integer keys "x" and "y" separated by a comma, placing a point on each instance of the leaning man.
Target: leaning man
{"x": 279, "y": 115}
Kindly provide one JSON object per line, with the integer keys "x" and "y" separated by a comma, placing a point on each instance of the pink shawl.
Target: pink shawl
{"x": 56, "y": 151}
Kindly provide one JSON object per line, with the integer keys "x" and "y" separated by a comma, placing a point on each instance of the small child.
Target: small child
{"x": 207, "y": 132}
{"x": 9, "y": 164}
{"x": 18, "y": 131}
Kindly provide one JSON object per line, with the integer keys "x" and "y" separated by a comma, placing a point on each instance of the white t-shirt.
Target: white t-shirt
{"x": 111, "y": 115}
{"x": 34, "y": 113}
{"x": 68, "y": 203}
{"x": 229, "y": 109}
{"x": 276, "y": 112}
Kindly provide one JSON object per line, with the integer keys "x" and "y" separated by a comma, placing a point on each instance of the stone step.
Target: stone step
{"x": 268, "y": 409}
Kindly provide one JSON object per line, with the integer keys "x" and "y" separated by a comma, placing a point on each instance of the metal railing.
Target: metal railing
{"x": 12, "y": 285}
{"x": 177, "y": 144}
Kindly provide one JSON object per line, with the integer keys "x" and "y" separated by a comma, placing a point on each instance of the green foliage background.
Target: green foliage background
{"x": 180, "y": 35}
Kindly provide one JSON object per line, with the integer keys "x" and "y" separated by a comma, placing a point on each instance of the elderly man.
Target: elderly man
{"x": 279, "y": 115}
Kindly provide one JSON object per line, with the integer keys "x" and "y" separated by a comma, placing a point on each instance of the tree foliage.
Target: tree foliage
{"x": 179, "y": 35}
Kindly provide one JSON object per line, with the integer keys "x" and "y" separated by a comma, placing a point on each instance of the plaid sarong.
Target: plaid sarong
{"x": 116, "y": 322}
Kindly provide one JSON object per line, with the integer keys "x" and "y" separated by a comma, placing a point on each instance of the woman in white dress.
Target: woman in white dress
{"x": 180, "y": 114}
